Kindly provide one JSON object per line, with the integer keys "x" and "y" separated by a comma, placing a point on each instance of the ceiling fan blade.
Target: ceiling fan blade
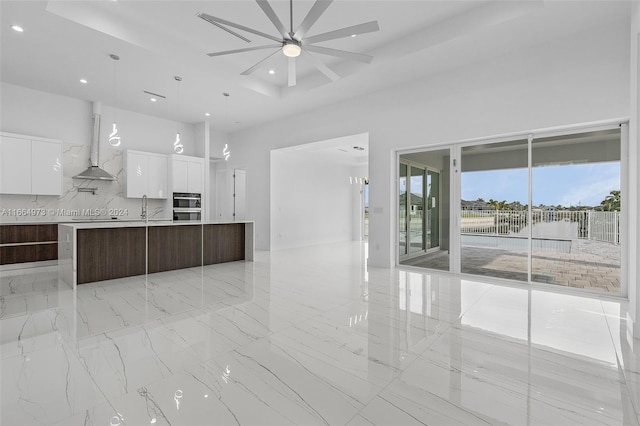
{"x": 268, "y": 10}
{"x": 291, "y": 79}
{"x": 258, "y": 65}
{"x": 360, "y": 57}
{"x": 222, "y": 27}
{"x": 213, "y": 20}
{"x": 368, "y": 27}
{"x": 246, "y": 49}
{"x": 321, "y": 67}
{"x": 316, "y": 11}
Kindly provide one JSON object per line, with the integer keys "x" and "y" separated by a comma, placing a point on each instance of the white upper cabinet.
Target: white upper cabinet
{"x": 137, "y": 169}
{"x": 158, "y": 176}
{"x": 187, "y": 174}
{"x": 30, "y": 165}
{"x": 180, "y": 172}
{"x": 146, "y": 174}
{"x": 15, "y": 165}
{"x": 195, "y": 175}
{"x": 46, "y": 168}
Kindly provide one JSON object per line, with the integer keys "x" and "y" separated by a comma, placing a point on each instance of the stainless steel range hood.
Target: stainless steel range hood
{"x": 94, "y": 172}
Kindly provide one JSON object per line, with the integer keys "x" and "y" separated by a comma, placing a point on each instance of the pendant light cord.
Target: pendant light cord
{"x": 178, "y": 147}
{"x": 178, "y": 108}
{"x": 291, "y": 16}
{"x": 115, "y": 90}
{"x": 114, "y": 138}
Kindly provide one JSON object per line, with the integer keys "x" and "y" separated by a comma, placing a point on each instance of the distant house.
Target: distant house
{"x": 474, "y": 205}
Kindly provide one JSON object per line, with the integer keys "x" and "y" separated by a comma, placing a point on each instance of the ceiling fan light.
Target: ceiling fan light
{"x": 291, "y": 50}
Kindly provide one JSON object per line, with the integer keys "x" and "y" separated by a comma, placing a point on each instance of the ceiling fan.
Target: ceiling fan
{"x": 293, "y": 43}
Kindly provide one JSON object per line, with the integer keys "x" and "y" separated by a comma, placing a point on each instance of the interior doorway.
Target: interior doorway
{"x": 316, "y": 192}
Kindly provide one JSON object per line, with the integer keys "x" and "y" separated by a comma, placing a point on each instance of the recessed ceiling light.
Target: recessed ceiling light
{"x": 207, "y": 114}
{"x": 353, "y": 35}
{"x": 83, "y": 81}
{"x": 17, "y": 28}
{"x": 153, "y": 99}
{"x": 272, "y": 72}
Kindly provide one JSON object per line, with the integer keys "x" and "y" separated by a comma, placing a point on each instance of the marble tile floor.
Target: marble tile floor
{"x": 312, "y": 336}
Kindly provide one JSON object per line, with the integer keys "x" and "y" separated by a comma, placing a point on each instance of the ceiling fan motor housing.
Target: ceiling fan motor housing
{"x": 291, "y": 48}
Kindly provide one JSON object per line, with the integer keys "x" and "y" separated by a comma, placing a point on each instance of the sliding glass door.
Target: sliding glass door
{"x": 402, "y": 211}
{"x": 576, "y": 211}
{"x": 423, "y": 203}
{"x": 493, "y": 210}
{"x": 416, "y": 209}
{"x": 544, "y": 209}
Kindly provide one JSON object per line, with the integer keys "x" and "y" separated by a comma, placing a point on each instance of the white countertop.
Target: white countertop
{"x": 138, "y": 223}
{"x": 69, "y": 220}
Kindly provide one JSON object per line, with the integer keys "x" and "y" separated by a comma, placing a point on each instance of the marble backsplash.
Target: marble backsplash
{"x": 109, "y": 199}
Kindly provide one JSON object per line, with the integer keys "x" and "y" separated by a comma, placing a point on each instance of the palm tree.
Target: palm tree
{"x": 611, "y": 202}
{"x": 495, "y": 205}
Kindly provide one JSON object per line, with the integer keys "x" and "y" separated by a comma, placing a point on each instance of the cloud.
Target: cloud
{"x": 592, "y": 192}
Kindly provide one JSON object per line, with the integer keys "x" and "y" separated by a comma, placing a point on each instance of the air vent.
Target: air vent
{"x": 154, "y": 94}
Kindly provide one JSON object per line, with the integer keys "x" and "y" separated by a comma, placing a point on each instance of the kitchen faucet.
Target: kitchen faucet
{"x": 144, "y": 214}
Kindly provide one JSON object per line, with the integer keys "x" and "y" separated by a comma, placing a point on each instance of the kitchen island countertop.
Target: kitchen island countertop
{"x": 136, "y": 223}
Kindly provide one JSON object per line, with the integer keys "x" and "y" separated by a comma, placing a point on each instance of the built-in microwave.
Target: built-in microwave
{"x": 186, "y": 206}
{"x": 186, "y": 200}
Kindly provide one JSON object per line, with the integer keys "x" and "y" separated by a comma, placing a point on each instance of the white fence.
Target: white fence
{"x": 588, "y": 225}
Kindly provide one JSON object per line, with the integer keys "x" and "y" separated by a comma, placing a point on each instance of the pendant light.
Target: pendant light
{"x": 114, "y": 137}
{"x": 177, "y": 144}
{"x": 225, "y": 151}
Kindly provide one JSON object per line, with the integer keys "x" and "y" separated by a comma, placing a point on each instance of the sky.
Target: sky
{"x": 566, "y": 185}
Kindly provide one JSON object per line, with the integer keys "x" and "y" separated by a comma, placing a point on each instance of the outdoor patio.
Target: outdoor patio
{"x": 588, "y": 264}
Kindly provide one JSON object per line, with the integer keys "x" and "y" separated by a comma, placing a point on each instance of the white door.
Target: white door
{"x": 15, "y": 165}
{"x": 224, "y": 195}
{"x": 46, "y": 168}
{"x": 240, "y": 199}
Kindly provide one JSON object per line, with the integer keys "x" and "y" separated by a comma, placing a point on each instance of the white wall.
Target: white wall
{"x": 579, "y": 78}
{"x": 311, "y": 200}
{"x": 36, "y": 113}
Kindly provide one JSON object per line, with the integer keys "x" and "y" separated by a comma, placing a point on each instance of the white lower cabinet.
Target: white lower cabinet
{"x": 146, "y": 174}
{"x": 30, "y": 165}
